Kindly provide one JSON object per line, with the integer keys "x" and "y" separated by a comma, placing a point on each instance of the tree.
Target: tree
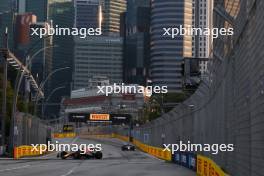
{"x": 162, "y": 103}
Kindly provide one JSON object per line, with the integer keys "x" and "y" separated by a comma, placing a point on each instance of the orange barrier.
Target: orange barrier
{"x": 25, "y": 150}
{"x": 123, "y": 138}
{"x": 64, "y": 135}
{"x": 97, "y": 136}
{"x": 155, "y": 151}
{"x": 207, "y": 167}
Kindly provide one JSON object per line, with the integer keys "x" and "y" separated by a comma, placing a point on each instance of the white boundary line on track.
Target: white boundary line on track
{"x": 15, "y": 168}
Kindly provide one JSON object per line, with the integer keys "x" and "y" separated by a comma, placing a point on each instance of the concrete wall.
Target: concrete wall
{"x": 228, "y": 107}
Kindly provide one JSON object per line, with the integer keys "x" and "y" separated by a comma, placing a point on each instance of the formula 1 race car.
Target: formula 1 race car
{"x": 80, "y": 155}
{"x": 128, "y": 147}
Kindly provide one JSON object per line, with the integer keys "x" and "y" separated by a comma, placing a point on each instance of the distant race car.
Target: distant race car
{"x": 80, "y": 155}
{"x": 128, "y": 147}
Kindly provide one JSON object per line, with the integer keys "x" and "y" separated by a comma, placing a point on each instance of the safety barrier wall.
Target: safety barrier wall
{"x": 202, "y": 165}
{"x": 27, "y": 151}
{"x": 207, "y": 167}
{"x": 63, "y": 135}
{"x": 155, "y": 151}
{"x": 228, "y": 106}
{"x": 30, "y": 130}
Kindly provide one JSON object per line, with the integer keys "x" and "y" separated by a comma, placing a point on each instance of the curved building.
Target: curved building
{"x": 166, "y": 53}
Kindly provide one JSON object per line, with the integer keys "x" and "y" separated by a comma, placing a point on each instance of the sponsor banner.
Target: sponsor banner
{"x": 192, "y": 161}
{"x": 99, "y": 117}
{"x": 184, "y": 159}
{"x": 177, "y": 157}
{"x": 115, "y": 119}
{"x": 118, "y": 119}
{"x": 68, "y": 128}
{"x": 78, "y": 117}
{"x": 207, "y": 167}
{"x": 64, "y": 135}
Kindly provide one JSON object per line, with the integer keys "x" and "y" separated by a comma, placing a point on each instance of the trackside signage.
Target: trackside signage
{"x": 100, "y": 117}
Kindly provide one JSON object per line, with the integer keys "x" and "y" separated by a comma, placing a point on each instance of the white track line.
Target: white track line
{"x": 70, "y": 171}
{"x": 15, "y": 168}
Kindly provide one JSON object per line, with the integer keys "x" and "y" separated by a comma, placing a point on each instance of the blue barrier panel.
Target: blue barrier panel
{"x": 192, "y": 161}
{"x": 185, "y": 159}
{"x": 176, "y": 157}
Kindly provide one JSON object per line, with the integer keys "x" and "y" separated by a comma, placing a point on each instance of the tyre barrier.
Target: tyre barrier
{"x": 64, "y": 135}
{"x": 27, "y": 151}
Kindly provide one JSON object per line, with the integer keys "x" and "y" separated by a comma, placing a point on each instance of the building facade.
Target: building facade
{"x": 87, "y": 13}
{"x": 203, "y": 18}
{"x": 61, "y": 12}
{"x": 136, "y": 42}
{"x": 112, "y": 10}
{"x": 97, "y": 56}
{"x": 41, "y": 66}
{"x": 167, "y": 53}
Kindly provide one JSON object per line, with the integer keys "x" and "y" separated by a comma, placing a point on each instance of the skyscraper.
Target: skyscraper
{"x": 166, "y": 53}
{"x": 111, "y": 16}
{"x": 61, "y": 12}
{"x": 203, "y": 14}
{"x": 136, "y": 27}
{"x": 6, "y": 16}
{"x": 42, "y": 65}
{"x": 94, "y": 55}
{"x": 87, "y": 13}
{"x": 97, "y": 56}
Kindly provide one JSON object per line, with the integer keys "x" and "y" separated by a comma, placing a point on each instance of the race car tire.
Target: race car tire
{"x": 98, "y": 155}
{"x": 62, "y": 155}
{"x": 76, "y": 155}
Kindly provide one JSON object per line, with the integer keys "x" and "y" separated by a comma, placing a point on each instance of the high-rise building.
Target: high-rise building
{"x": 94, "y": 55}
{"x": 97, "y": 56}
{"x": 42, "y": 64}
{"x": 135, "y": 26}
{"x": 167, "y": 53}
{"x": 61, "y": 12}
{"x": 87, "y": 13}
{"x": 6, "y": 20}
{"x": 203, "y": 18}
{"x": 112, "y": 10}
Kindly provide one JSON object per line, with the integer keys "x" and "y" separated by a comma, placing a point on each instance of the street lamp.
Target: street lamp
{"x": 47, "y": 100}
{"x": 42, "y": 84}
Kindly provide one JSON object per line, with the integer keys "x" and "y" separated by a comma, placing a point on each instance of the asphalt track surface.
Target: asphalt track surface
{"x": 114, "y": 163}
